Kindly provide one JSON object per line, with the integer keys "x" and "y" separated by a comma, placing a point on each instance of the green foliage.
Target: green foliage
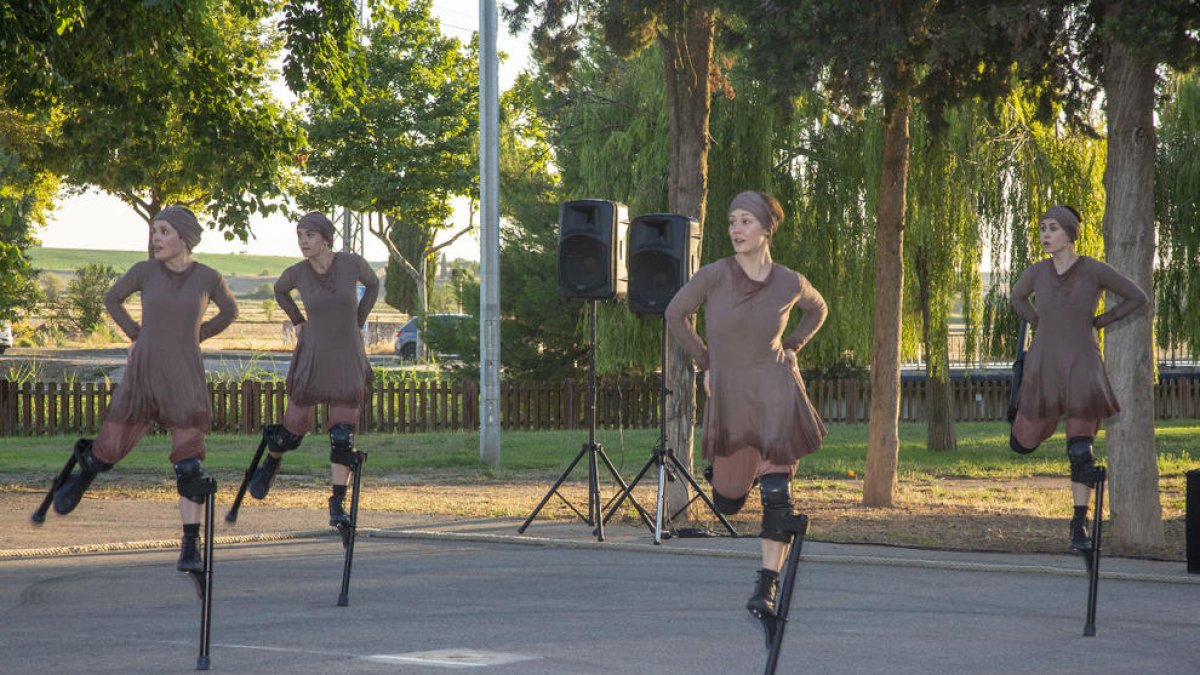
{"x": 1177, "y": 202}
{"x": 25, "y": 195}
{"x": 82, "y": 307}
{"x": 405, "y": 146}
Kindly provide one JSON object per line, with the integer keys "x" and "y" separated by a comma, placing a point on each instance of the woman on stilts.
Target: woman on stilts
{"x": 329, "y": 364}
{"x": 758, "y": 421}
{"x": 164, "y": 379}
{"x": 1063, "y": 374}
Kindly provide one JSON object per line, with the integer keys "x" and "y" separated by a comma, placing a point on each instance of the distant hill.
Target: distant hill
{"x": 71, "y": 259}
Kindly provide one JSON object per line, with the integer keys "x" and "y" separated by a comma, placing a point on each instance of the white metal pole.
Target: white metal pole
{"x": 489, "y": 236}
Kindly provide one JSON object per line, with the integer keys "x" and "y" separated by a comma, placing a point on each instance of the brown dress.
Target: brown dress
{"x": 758, "y": 398}
{"x": 1064, "y": 374}
{"x": 329, "y": 364}
{"x": 164, "y": 379}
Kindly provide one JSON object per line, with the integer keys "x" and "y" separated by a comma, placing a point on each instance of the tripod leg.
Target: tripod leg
{"x": 628, "y": 491}
{"x": 553, "y": 489}
{"x": 595, "y": 510}
{"x": 1093, "y": 556}
{"x": 232, "y": 516}
{"x": 679, "y": 468}
{"x": 204, "y": 578}
{"x": 350, "y": 531}
{"x": 612, "y": 469}
{"x": 39, "y": 514}
{"x": 799, "y": 526}
{"x": 661, "y": 503}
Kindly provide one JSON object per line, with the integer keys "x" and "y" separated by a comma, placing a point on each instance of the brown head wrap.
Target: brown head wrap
{"x": 764, "y": 207}
{"x": 315, "y": 220}
{"x": 1067, "y": 218}
{"x": 184, "y": 222}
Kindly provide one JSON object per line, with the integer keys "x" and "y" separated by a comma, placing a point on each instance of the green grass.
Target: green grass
{"x": 71, "y": 259}
{"x": 536, "y": 456}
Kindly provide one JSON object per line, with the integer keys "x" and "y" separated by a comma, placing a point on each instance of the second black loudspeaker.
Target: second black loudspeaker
{"x": 664, "y": 252}
{"x": 591, "y": 249}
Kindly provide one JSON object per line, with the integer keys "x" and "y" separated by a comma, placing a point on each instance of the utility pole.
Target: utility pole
{"x": 489, "y": 236}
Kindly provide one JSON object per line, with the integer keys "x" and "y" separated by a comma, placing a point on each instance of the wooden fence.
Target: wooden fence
{"x": 403, "y": 407}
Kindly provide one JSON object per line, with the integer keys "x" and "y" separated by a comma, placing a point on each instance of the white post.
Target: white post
{"x": 489, "y": 237}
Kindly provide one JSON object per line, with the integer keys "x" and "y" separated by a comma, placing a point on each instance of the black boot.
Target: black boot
{"x": 762, "y": 602}
{"x": 189, "y": 550}
{"x": 67, "y": 496}
{"x": 1080, "y": 541}
{"x": 337, "y": 513}
{"x": 260, "y": 482}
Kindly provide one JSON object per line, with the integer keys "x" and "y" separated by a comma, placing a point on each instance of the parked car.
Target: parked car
{"x": 407, "y": 337}
{"x": 5, "y": 336}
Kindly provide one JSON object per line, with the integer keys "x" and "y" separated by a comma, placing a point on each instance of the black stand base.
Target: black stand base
{"x": 593, "y": 517}
{"x": 349, "y": 532}
{"x": 669, "y": 467}
{"x": 774, "y": 625}
{"x": 1092, "y": 557}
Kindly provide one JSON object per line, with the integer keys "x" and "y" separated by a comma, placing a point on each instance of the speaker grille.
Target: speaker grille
{"x": 653, "y": 280}
{"x": 584, "y": 265}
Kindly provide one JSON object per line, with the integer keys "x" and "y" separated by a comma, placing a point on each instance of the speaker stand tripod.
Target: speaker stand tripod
{"x": 594, "y": 451}
{"x": 669, "y": 468}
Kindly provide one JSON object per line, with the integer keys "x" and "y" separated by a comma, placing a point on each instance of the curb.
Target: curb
{"x": 545, "y": 542}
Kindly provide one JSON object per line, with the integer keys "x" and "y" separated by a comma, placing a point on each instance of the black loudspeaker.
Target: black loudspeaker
{"x": 1192, "y": 519}
{"x": 664, "y": 252}
{"x": 591, "y": 249}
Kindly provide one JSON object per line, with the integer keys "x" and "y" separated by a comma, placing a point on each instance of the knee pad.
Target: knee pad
{"x": 86, "y": 460}
{"x": 191, "y": 482}
{"x": 776, "y": 491}
{"x": 279, "y": 439}
{"x": 341, "y": 445}
{"x": 1083, "y": 461}
{"x": 1017, "y": 447}
{"x": 725, "y": 505}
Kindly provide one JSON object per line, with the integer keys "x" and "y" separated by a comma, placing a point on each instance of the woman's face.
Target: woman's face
{"x": 311, "y": 242}
{"x": 747, "y": 234}
{"x": 165, "y": 241}
{"x": 1054, "y": 237}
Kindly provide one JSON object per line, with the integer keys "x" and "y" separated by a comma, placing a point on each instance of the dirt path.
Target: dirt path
{"x": 951, "y": 515}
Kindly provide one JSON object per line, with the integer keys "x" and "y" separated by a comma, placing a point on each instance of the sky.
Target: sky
{"x": 95, "y": 220}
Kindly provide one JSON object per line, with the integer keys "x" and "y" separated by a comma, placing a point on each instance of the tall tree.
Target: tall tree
{"x": 159, "y": 102}
{"x": 901, "y": 52}
{"x": 1123, "y": 44}
{"x": 683, "y": 31}
{"x": 404, "y": 146}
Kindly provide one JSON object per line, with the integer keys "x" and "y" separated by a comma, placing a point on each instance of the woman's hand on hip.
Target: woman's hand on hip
{"x": 707, "y": 384}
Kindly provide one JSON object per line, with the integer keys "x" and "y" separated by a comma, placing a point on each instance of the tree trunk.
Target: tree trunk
{"x": 1129, "y": 242}
{"x": 939, "y": 397}
{"x": 883, "y": 439}
{"x": 687, "y": 56}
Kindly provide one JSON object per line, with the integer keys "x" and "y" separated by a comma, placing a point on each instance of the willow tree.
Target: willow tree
{"x": 1177, "y": 173}
{"x": 898, "y": 53}
{"x": 943, "y": 252}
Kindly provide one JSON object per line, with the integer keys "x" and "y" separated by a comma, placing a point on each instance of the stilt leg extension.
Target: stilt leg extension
{"x": 349, "y": 531}
{"x": 774, "y": 625}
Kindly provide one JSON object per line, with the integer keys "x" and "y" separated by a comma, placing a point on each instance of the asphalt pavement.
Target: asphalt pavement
{"x": 432, "y": 595}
